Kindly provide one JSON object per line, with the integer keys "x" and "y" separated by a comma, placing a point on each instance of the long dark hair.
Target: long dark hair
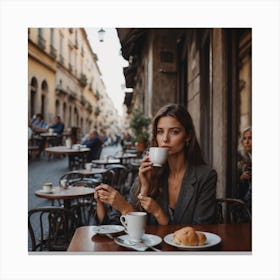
{"x": 192, "y": 152}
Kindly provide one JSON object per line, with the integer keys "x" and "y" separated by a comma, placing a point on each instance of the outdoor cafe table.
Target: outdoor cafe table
{"x": 48, "y": 137}
{"x": 66, "y": 194}
{"x": 63, "y": 150}
{"x": 126, "y": 157}
{"x": 235, "y": 238}
{"x": 86, "y": 172}
{"x": 104, "y": 163}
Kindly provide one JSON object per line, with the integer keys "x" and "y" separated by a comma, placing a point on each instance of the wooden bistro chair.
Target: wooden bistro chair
{"x": 232, "y": 211}
{"x": 50, "y": 228}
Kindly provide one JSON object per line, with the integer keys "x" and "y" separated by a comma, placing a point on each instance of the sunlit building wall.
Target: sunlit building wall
{"x": 64, "y": 78}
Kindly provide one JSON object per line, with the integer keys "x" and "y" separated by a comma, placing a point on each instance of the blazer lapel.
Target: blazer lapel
{"x": 186, "y": 193}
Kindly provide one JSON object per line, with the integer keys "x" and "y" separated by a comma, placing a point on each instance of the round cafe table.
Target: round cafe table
{"x": 66, "y": 194}
{"x": 63, "y": 150}
{"x": 104, "y": 163}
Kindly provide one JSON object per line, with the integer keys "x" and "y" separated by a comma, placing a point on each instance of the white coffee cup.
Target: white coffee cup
{"x": 158, "y": 155}
{"x": 88, "y": 166}
{"x": 68, "y": 143}
{"x": 77, "y": 147}
{"x": 106, "y": 158}
{"x": 63, "y": 183}
{"x": 47, "y": 187}
{"x": 134, "y": 223}
{"x": 51, "y": 130}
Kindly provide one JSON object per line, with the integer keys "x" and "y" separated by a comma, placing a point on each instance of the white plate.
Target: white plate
{"x": 148, "y": 239}
{"x": 212, "y": 239}
{"x": 107, "y": 229}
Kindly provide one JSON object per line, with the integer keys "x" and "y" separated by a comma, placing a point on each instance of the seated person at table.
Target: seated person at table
{"x": 94, "y": 143}
{"x": 182, "y": 191}
{"x": 58, "y": 127}
{"x": 38, "y": 124}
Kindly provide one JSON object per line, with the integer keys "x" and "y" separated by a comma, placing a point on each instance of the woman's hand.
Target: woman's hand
{"x": 151, "y": 206}
{"x": 144, "y": 174}
{"x": 109, "y": 195}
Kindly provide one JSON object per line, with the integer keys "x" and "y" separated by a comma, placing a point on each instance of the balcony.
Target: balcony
{"x": 41, "y": 42}
{"x": 97, "y": 95}
{"x": 83, "y": 80}
{"x": 97, "y": 111}
{"x": 89, "y": 107}
{"x": 61, "y": 59}
{"x": 53, "y": 52}
{"x": 83, "y": 100}
{"x": 59, "y": 91}
{"x": 72, "y": 95}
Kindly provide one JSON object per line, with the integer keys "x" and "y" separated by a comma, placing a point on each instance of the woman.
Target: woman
{"x": 245, "y": 167}
{"x": 183, "y": 191}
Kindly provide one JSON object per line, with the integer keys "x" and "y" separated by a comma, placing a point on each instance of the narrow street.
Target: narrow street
{"x": 43, "y": 170}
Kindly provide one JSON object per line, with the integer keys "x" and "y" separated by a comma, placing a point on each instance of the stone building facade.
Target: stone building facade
{"x": 208, "y": 70}
{"x": 64, "y": 79}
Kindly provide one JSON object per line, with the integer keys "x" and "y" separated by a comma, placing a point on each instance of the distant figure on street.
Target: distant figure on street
{"x": 245, "y": 167}
{"x": 94, "y": 143}
{"x": 58, "y": 127}
{"x": 38, "y": 125}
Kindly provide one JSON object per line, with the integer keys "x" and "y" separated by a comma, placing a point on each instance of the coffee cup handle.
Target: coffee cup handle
{"x": 124, "y": 223}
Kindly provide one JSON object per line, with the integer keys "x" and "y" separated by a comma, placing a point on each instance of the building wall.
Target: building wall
{"x": 61, "y": 56}
{"x": 220, "y": 122}
{"x": 215, "y": 65}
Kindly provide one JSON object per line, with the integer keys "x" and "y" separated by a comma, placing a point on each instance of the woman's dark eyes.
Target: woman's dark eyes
{"x": 174, "y": 132}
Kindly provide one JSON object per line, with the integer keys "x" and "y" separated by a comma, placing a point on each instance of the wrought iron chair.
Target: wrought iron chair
{"x": 50, "y": 228}
{"x": 83, "y": 208}
{"x": 232, "y": 211}
{"x": 120, "y": 177}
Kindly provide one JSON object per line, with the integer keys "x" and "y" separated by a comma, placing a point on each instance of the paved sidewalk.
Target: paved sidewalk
{"x": 43, "y": 170}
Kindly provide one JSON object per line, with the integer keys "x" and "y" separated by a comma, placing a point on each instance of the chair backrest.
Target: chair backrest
{"x": 232, "y": 211}
{"x": 108, "y": 177}
{"x": 120, "y": 176}
{"x": 50, "y": 228}
{"x": 71, "y": 178}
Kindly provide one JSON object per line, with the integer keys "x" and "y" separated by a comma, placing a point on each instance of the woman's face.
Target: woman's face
{"x": 171, "y": 134}
{"x": 247, "y": 141}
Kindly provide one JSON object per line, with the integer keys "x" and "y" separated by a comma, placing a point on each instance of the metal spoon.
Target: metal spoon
{"x": 139, "y": 246}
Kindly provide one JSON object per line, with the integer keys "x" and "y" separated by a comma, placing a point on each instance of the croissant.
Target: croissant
{"x": 189, "y": 237}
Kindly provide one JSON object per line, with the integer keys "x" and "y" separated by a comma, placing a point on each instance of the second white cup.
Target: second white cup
{"x": 134, "y": 223}
{"x": 88, "y": 166}
{"x": 158, "y": 155}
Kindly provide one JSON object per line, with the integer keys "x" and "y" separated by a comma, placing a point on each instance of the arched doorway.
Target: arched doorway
{"x": 57, "y": 109}
{"x": 76, "y": 117}
{"x": 33, "y": 96}
{"x": 64, "y": 112}
{"x": 44, "y": 89}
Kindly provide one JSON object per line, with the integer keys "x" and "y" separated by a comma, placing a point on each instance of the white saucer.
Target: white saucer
{"x": 211, "y": 240}
{"x": 148, "y": 239}
{"x": 44, "y": 191}
{"x": 107, "y": 229}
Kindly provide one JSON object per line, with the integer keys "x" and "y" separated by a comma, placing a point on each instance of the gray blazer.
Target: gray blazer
{"x": 196, "y": 200}
{"x": 197, "y": 197}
